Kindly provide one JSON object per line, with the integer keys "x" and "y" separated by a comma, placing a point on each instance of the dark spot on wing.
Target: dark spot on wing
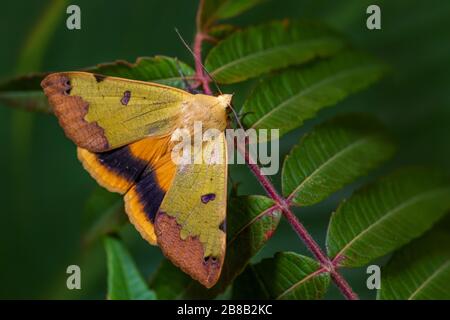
{"x": 209, "y": 259}
{"x": 126, "y": 97}
{"x": 67, "y": 87}
{"x": 208, "y": 197}
{"x": 223, "y": 225}
{"x": 99, "y": 77}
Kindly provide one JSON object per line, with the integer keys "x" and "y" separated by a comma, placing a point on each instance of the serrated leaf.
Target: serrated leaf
{"x": 257, "y": 50}
{"x": 221, "y": 31}
{"x": 251, "y": 222}
{"x": 391, "y": 212}
{"x": 286, "y": 100}
{"x": 213, "y": 10}
{"x": 285, "y": 276}
{"x": 159, "y": 69}
{"x": 124, "y": 280}
{"x": 333, "y": 155}
{"x": 419, "y": 271}
{"x": 26, "y": 92}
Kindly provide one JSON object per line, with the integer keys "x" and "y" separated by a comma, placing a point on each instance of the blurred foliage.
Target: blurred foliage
{"x": 124, "y": 280}
{"x": 42, "y": 232}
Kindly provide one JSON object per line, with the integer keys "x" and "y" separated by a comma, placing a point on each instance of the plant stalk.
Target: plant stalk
{"x": 200, "y": 74}
{"x": 280, "y": 201}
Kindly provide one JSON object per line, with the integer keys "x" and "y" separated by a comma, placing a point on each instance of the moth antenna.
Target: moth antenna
{"x": 182, "y": 76}
{"x": 186, "y": 45}
{"x": 198, "y": 60}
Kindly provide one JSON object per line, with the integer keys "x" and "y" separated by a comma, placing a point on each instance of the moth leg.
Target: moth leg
{"x": 186, "y": 83}
{"x": 243, "y": 115}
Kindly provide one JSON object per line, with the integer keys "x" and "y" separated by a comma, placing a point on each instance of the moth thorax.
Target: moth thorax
{"x": 208, "y": 110}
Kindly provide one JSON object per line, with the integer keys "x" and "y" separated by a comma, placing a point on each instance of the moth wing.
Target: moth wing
{"x": 142, "y": 171}
{"x": 190, "y": 224}
{"x": 101, "y": 113}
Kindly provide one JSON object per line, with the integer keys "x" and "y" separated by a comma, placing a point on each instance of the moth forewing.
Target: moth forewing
{"x": 100, "y": 113}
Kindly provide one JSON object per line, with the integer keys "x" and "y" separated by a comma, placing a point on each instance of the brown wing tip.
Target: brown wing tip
{"x": 71, "y": 111}
{"x": 186, "y": 254}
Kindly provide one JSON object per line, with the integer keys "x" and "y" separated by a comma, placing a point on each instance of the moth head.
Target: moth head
{"x": 209, "y": 110}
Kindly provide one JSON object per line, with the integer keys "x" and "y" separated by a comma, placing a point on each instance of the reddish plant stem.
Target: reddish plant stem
{"x": 284, "y": 206}
{"x": 199, "y": 72}
{"x": 280, "y": 201}
{"x": 298, "y": 227}
{"x": 343, "y": 285}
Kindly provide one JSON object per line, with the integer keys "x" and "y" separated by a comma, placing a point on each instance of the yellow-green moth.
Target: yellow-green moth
{"x": 122, "y": 129}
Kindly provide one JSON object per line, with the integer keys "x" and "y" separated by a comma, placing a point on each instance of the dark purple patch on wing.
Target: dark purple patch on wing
{"x": 223, "y": 226}
{"x": 67, "y": 87}
{"x": 208, "y": 197}
{"x": 122, "y": 162}
{"x": 150, "y": 193}
{"x": 99, "y": 77}
{"x": 126, "y": 98}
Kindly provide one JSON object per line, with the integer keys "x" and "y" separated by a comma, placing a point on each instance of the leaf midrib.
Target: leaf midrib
{"x": 429, "y": 279}
{"x": 265, "y": 52}
{"x": 405, "y": 204}
{"x": 269, "y": 210}
{"x": 309, "y": 89}
{"x": 325, "y": 164}
{"x": 299, "y": 283}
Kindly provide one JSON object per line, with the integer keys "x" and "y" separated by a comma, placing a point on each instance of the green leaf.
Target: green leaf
{"x": 103, "y": 213}
{"x": 251, "y": 222}
{"x": 285, "y": 276}
{"x": 333, "y": 155}
{"x": 26, "y": 92}
{"x": 170, "y": 283}
{"x": 33, "y": 100}
{"x": 213, "y": 10}
{"x": 419, "y": 271}
{"x": 30, "y": 59}
{"x": 286, "y": 100}
{"x": 257, "y": 50}
{"x": 124, "y": 280}
{"x": 391, "y": 212}
{"x": 159, "y": 69}
{"x": 222, "y": 31}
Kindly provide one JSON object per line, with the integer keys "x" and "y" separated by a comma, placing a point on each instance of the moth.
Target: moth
{"x": 122, "y": 129}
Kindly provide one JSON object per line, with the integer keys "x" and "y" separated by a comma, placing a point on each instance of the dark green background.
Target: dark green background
{"x": 44, "y": 192}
